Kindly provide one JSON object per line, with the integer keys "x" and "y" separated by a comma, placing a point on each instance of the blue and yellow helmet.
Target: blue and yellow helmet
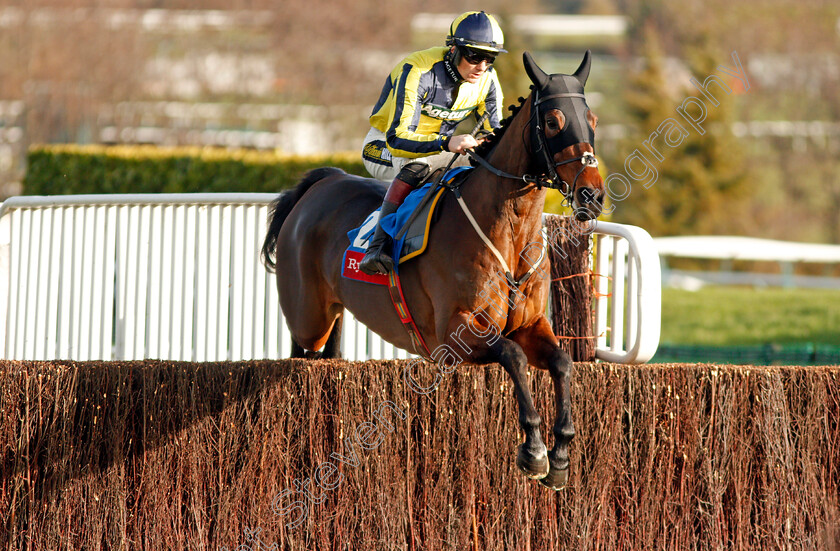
{"x": 476, "y": 30}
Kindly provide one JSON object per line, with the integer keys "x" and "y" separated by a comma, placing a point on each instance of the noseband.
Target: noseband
{"x": 550, "y": 178}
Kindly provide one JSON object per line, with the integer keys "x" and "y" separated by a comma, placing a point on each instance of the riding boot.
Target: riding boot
{"x": 377, "y": 260}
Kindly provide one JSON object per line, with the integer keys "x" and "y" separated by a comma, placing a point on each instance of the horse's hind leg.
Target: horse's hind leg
{"x": 331, "y": 350}
{"x": 297, "y": 350}
{"x": 309, "y": 311}
{"x": 333, "y": 347}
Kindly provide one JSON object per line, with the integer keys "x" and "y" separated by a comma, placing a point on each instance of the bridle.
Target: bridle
{"x": 552, "y": 179}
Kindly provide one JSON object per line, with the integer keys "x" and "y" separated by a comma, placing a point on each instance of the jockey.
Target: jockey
{"x": 424, "y": 99}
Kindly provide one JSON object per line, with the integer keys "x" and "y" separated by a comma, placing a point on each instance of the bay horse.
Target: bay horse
{"x": 447, "y": 288}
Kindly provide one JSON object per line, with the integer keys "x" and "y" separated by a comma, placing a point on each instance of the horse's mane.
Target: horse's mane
{"x": 485, "y": 148}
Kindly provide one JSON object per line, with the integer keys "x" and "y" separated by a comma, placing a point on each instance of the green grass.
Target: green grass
{"x": 725, "y": 316}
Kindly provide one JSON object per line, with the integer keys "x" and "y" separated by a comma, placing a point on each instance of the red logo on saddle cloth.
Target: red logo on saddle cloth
{"x": 356, "y": 252}
{"x": 351, "y": 270}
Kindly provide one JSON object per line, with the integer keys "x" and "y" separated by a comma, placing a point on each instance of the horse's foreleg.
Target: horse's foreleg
{"x": 483, "y": 344}
{"x": 531, "y": 457}
{"x": 540, "y": 346}
{"x": 560, "y": 368}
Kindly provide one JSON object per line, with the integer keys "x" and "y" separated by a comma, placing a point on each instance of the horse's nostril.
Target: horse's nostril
{"x": 586, "y": 196}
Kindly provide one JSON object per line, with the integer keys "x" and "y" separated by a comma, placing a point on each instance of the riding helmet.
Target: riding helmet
{"x": 476, "y": 30}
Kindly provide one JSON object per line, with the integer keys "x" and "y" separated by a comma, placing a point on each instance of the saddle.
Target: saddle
{"x": 408, "y": 227}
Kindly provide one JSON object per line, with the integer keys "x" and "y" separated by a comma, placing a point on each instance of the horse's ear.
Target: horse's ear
{"x": 536, "y": 74}
{"x": 582, "y": 72}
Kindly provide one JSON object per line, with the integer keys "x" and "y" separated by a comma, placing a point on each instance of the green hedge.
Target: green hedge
{"x": 71, "y": 170}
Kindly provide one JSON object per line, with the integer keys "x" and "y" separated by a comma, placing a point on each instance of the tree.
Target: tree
{"x": 697, "y": 185}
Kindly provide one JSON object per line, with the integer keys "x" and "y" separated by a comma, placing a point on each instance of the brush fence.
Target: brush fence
{"x": 178, "y": 277}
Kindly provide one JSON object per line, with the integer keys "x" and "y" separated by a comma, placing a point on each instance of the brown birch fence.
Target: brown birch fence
{"x": 155, "y": 455}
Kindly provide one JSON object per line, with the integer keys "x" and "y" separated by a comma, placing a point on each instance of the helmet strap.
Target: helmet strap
{"x": 451, "y": 61}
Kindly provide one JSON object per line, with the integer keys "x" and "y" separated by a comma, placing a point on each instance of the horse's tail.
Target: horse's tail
{"x": 282, "y": 206}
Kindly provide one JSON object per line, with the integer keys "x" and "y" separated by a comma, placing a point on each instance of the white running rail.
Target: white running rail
{"x": 178, "y": 277}
{"x": 628, "y": 303}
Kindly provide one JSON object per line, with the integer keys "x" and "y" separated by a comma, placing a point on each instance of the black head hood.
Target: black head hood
{"x": 563, "y": 92}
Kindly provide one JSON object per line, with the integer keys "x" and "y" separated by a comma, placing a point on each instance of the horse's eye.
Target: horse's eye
{"x": 555, "y": 120}
{"x": 591, "y": 118}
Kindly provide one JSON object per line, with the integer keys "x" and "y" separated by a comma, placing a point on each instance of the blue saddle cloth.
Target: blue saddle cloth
{"x": 414, "y": 240}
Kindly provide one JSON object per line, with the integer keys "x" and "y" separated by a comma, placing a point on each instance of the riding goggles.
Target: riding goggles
{"x": 475, "y": 57}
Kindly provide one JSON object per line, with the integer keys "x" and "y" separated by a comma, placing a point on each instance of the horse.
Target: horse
{"x": 472, "y": 297}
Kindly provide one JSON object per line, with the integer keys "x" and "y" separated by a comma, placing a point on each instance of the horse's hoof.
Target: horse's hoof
{"x": 534, "y": 466}
{"x": 556, "y": 478}
{"x": 558, "y": 475}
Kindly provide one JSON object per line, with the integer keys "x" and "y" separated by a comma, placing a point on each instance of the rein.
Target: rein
{"x": 456, "y": 190}
{"x": 587, "y": 159}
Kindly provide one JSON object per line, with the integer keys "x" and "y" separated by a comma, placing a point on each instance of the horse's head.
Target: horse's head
{"x": 563, "y": 136}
